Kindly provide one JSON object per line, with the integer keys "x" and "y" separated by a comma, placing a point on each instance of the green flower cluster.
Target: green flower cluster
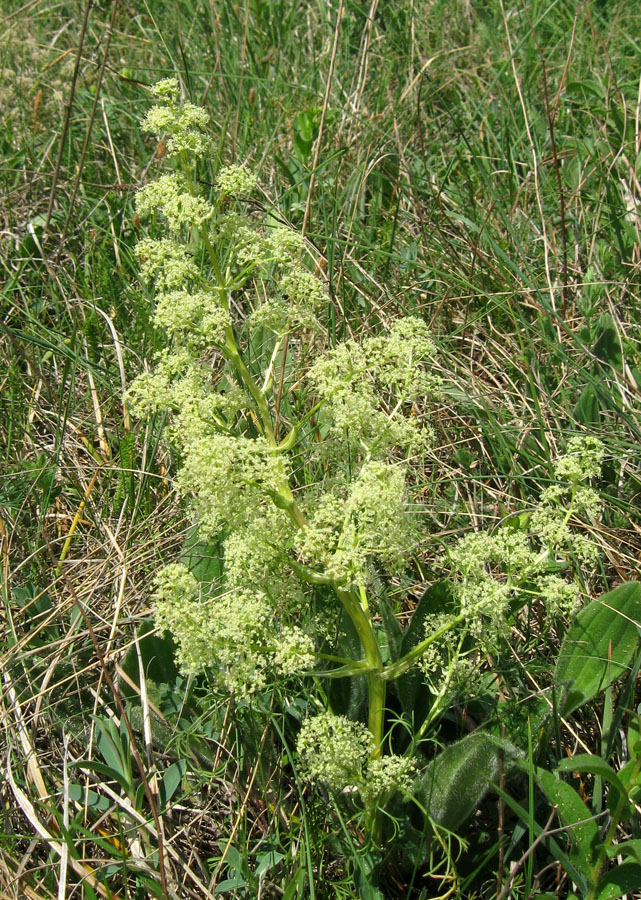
{"x": 230, "y": 478}
{"x": 369, "y": 389}
{"x": 283, "y": 533}
{"x": 341, "y": 754}
{"x": 182, "y": 123}
{"x": 235, "y": 632}
{"x": 357, "y": 524}
{"x": 490, "y": 570}
{"x": 170, "y": 195}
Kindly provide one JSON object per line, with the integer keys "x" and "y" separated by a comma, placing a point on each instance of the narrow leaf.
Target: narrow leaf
{"x": 108, "y": 740}
{"x": 105, "y": 770}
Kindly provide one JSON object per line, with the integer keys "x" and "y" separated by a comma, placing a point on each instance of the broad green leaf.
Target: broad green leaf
{"x": 267, "y": 861}
{"x": 625, "y": 878}
{"x": 598, "y": 646}
{"x": 230, "y": 884}
{"x": 157, "y": 655}
{"x": 583, "y": 831}
{"x": 607, "y": 346}
{"x": 456, "y": 781}
{"x": 587, "y": 410}
{"x": 171, "y": 780}
{"x": 204, "y": 559}
{"x": 593, "y": 765}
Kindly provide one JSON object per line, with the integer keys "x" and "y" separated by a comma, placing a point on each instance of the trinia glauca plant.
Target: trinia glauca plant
{"x": 301, "y": 459}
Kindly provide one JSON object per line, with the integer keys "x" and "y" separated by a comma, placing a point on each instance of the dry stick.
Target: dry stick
{"x": 85, "y": 145}
{"x": 123, "y": 715}
{"x": 65, "y": 127}
{"x": 519, "y": 865}
{"x": 562, "y": 829}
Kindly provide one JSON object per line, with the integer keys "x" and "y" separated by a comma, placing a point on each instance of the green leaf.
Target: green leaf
{"x": 305, "y": 130}
{"x": 106, "y": 771}
{"x": 598, "y": 646}
{"x": 393, "y": 630}
{"x": 583, "y": 830}
{"x": 593, "y": 765}
{"x": 436, "y": 599}
{"x": 204, "y": 559}
{"x": 633, "y": 737}
{"x": 630, "y": 777}
{"x": 349, "y": 696}
{"x": 230, "y": 884}
{"x": 157, "y": 655}
{"x": 138, "y": 799}
{"x": 267, "y": 861}
{"x": 109, "y": 742}
{"x": 295, "y": 890}
{"x": 171, "y": 781}
{"x": 588, "y": 409}
{"x": 414, "y": 694}
{"x": 607, "y": 346}
{"x": 614, "y": 884}
{"x": 630, "y": 848}
{"x": 82, "y": 795}
{"x": 455, "y": 782}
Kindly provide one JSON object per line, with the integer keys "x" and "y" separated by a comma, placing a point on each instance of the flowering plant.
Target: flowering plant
{"x": 301, "y": 458}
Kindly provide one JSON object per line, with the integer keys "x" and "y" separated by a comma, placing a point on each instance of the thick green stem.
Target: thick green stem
{"x": 233, "y": 355}
{"x": 376, "y": 687}
{"x": 406, "y": 662}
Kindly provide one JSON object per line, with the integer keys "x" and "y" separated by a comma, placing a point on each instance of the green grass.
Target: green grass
{"x": 478, "y": 166}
